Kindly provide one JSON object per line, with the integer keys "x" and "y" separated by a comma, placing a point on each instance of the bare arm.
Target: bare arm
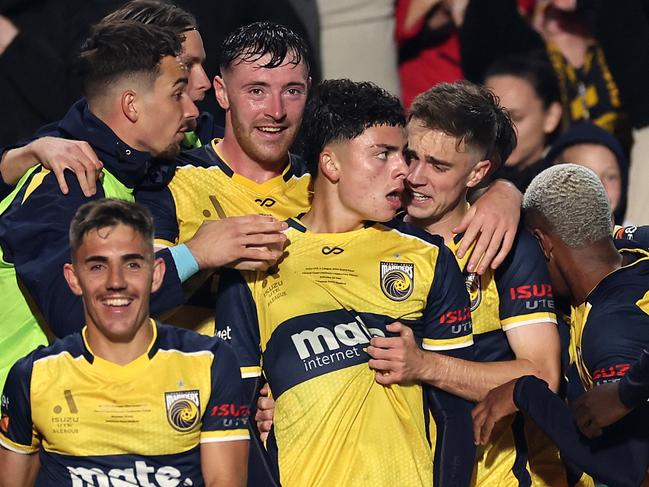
{"x": 56, "y": 155}
{"x": 416, "y": 11}
{"x": 19, "y": 469}
{"x": 536, "y": 348}
{"x": 225, "y": 464}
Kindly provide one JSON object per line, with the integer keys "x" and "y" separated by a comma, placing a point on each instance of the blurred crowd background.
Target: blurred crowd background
{"x": 572, "y": 73}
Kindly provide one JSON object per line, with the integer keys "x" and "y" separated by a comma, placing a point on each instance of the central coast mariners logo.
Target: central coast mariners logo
{"x": 474, "y": 288}
{"x": 183, "y": 409}
{"x": 397, "y": 280}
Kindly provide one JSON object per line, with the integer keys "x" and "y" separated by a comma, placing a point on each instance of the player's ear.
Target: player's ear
{"x": 129, "y": 106}
{"x": 329, "y": 165}
{"x": 545, "y": 242}
{"x": 220, "y": 92}
{"x": 158, "y": 274}
{"x": 72, "y": 279}
{"x": 478, "y": 173}
{"x": 552, "y": 117}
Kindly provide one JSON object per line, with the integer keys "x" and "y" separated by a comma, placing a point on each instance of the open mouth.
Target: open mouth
{"x": 394, "y": 198}
{"x": 271, "y": 129}
{"x": 416, "y": 196}
{"x": 116, "y": 303}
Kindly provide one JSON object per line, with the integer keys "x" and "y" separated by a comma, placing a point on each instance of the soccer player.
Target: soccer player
{"x": 457, "y": 135}
{"x": 136, "y": 113}
{"x": 567, "y": 209}
{"x": 53, "y": 148}
{"x": 345, "y": 278}
{"x": 127, "y": 401}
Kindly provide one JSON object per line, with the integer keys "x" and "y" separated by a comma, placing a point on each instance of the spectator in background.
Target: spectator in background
{"x": 587, "y": 86}
{"x": 527, "y": 88}
{"x": 429, "y": 48}
{"x": 588, "y": 145}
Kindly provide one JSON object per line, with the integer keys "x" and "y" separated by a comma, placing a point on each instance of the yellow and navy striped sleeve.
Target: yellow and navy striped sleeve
{"x": 17, "y": 432}
{"x": 524, "y": 286}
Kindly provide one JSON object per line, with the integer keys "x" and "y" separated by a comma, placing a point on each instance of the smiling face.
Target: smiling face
{"x": 368, "y": 172}
{"x": 165, "y": 112}
{"x": 114, "y": 272}
{"x": 263, "y": 106}
{"x": 440, "y": 171}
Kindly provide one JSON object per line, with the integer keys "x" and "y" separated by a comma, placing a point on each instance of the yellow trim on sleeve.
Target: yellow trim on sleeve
{"x": 249, "y": 372}
{"x": 160, "y": 242}
{"x": 16, "y": 447}
{"x": 447, "y": 344}
{"x": 529, "y": 319}
{"x": 220, "y": 436}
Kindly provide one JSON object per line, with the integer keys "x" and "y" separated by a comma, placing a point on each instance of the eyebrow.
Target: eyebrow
{"x": 266, "y": 84}
{"x": 439, "y": 162}
{"x": 182, "y": 80}
{"x": 103, "y": 258}
{"x": 389, "y": 147}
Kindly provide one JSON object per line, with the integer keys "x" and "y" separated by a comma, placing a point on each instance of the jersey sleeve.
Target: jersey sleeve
{"x": 448, "y": 331}
{"x": 639, "y": 234}
{"x": 160, "y": 203}
{"x": 237, "y": 322}
{"x": 17, "y": 432}
{"x": 448, "y": 309}
{"x": 612, "y": 341}
{"x": 634, "y": 386}
{"x": 227, "y": 414}
{"x": 524, "y": 285}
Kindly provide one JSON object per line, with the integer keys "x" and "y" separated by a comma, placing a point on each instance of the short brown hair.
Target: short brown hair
{"x": 109, "y": 212}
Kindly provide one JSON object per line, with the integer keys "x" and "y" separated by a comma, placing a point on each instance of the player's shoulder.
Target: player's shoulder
{"x": 200, "y": 158}
{"x": 407, "y": 231}
{"x": 635, "y": 233}
{"x": 71, "y": 345}
{"x": 172, "y": 338}
{"x": 626, "y": 286}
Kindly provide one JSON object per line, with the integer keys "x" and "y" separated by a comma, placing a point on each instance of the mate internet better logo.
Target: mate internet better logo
{"x": 397, "y": 280}
{"x": 183, "y": 409}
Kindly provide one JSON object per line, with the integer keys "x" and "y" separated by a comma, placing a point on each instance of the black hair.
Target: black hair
{"x": 108, "y": 212}
{"x": 155, "y": 12}
{"x": 340, "y": 109}
{"x": 117, "y": 49}
{"x": 470, "y": 113}
{"x": 254, "y": 41}
{"x": 535, "y": 68}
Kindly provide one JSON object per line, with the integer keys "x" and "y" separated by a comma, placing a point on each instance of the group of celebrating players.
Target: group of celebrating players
{"x": 361, "y": 299}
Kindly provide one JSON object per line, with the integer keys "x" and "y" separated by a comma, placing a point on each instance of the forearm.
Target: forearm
{"x": 614, "y": 463}
{"x": 473, "y": 380}
{"x": 15, "y": 162}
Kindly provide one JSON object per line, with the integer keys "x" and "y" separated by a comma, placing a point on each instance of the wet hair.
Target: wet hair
{"x": 118, "y": 49}
{"x": 254, "y": 41}
{"x": 108, "y": 212}
{"x": 470, "y": 113}
{"x": 534, "y": 68}
{"x": 155, "y": 12}
{"x": 573, "y": 202}
{"x": 340, "y": 110}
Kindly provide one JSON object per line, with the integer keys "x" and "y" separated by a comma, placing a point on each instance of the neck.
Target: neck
{"x": 328, "y": 215}
{"x": 123, "y": 129}
{"x": 120, "y": 352}
{"x": 588, "y": 266}
{"x": 443, "y": 225}
{"x": 241, "y": 163}
{"x": 572, "y": 46}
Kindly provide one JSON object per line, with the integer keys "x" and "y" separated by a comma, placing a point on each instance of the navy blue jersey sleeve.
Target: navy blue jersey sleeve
{"x": 524, "y": 285}
{"x": 634, "y": 386}
{"x": 639, "y": 234}
{"x": 227, "y": 414}
{"x": 160, "y": 203}
{"x": 612, "y": 341}
{"x": 16, "y": 429}
{"x": 613, "y": 461}
{"x": 237, "y": 323}
{"x": 448, "y": 331}
{"x": 34, "y": 237}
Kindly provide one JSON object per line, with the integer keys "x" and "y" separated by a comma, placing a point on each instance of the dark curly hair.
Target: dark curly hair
{"x": 470, "y": 113}
{"x": 254, "y": 41}
{"x": 340, "y": 109}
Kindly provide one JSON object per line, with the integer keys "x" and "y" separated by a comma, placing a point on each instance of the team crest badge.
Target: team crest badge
{"x": 474, "y": 288}
{"x": 397, "y": 280}
{"x": 183, "y": 409}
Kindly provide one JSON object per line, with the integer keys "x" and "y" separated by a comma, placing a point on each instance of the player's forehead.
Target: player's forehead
{"x": 193, "y": 48}
{"x": 112, "y": 240}
{"x": 265, "y": 66}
